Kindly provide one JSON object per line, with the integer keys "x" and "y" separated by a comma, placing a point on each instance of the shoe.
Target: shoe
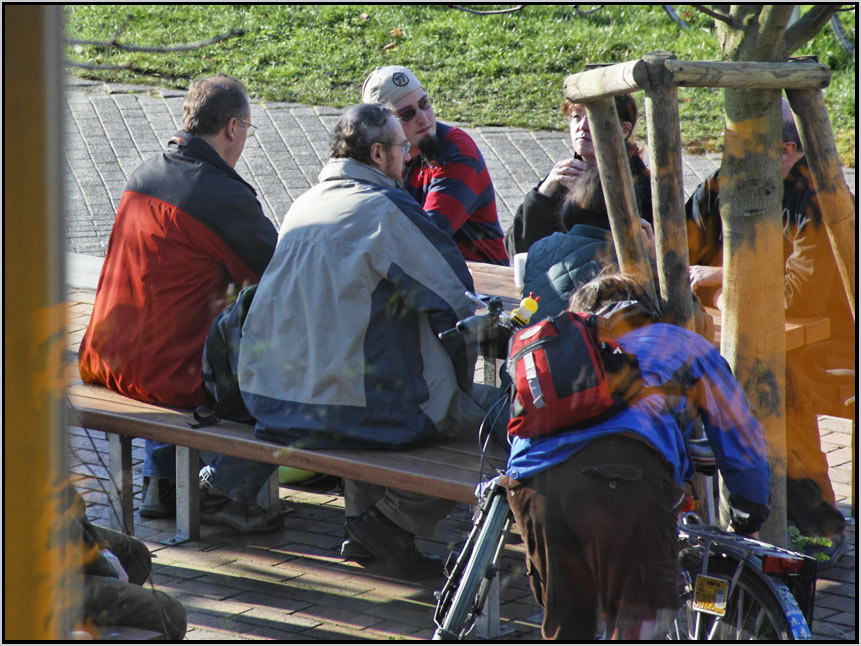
{"x": 394, "y": 545}
{"x": 352, "y": 550}
{"x": 158, "y": 501}
{"x": 219, "y": 510}
{"x": 827, "y": 550}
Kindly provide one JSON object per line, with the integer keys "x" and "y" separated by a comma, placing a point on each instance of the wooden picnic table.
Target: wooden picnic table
{"x": 495, "y": 280}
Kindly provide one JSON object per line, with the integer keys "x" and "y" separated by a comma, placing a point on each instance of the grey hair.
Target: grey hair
{"x": 360, "y": 127}
{"x": 211, "y": 102}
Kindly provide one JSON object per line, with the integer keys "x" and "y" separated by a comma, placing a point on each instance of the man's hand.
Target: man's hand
{"x": 704, "y": 276}
{"x": 565, "y": 172}
{"x": 112, "y": 558}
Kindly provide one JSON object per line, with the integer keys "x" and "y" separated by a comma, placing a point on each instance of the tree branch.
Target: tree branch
{"x": 586, "y": 12}
{"x": 714, "y": 14}
{"x": 487, "y": 13}
{"x": 158, "y": 50}
{"x": 772, "y": 25}
{"x": 95, "y": 66}
{"x": 807, "y": 26}
{"x": 131, "y": 67}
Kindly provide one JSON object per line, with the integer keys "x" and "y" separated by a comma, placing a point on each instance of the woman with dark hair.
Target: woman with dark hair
{"x": 545, "y": 209}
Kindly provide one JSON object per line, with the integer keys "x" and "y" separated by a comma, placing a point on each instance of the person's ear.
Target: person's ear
{"x": 377, "y": 152}
{"x": 789, "y": 148}
{"x": 627, "y": 129}
{"x": 230, "y": 128}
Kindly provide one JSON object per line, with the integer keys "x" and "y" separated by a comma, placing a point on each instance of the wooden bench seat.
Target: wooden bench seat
{"x": 445, "y": 468}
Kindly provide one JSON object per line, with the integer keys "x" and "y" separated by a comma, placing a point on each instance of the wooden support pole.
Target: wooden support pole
{"x": 753, "y": 339}
{"x": 668, "y": 207}
{"x": 42, "y": 577}
{"x": 628, "y": 77}
{"x": 618, "y": 190}
{"x": 749, "y": 75}
{"x": 604, "y": 82}
{"x": 835, "y": 201}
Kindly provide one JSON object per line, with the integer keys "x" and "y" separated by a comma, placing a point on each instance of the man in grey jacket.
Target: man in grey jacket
{"x": 340, "y": 346}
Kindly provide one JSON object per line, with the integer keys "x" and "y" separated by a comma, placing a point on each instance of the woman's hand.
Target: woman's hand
{"x": 565, "y": 172}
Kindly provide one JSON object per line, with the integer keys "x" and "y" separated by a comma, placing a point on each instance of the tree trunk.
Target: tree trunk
{"x": 751, "y": 192}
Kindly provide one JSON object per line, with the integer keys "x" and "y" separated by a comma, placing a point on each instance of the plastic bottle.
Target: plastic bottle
{"x": 521, "y": 315}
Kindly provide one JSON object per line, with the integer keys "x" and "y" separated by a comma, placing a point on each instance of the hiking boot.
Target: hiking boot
{"x": 352, "y": 550}
{"x": 219, "y": 510}
{"x": 394, "y": 545}
{"x": 827, "y": 550}
{"x": 158, "y": 501}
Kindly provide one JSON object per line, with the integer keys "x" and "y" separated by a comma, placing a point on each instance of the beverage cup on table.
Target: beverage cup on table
{"x": 519, "y": 267}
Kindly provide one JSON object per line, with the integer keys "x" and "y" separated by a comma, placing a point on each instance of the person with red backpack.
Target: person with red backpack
{"x": 597, "y": 502}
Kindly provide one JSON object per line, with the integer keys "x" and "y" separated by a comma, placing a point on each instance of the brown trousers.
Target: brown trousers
{"x": 601, "y": 531}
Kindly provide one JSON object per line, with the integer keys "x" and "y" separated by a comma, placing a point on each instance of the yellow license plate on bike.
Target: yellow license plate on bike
{"x": 710, "y": 595}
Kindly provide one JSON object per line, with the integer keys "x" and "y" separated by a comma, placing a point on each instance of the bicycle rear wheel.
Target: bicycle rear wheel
{"x": 754, "y": 610}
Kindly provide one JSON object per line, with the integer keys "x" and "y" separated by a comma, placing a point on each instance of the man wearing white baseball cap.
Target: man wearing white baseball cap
{"x": 446, "y": 173}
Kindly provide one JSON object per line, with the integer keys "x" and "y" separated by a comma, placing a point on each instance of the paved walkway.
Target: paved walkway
{"x": 292, "y": 585}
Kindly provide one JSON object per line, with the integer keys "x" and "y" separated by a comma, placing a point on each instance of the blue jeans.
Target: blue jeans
{"x": 236, "y": 478}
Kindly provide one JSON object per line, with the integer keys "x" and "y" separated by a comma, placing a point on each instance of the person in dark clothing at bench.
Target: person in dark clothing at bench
{"x": 189, "y": 233}
{"x": 546, "y": 208}
{"x": 340, "y": 345}
{"x": 116, "y": 568}
{"x": 812, "y": 288}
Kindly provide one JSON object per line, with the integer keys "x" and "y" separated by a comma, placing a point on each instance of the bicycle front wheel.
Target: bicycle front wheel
{"x": 754, "y": 610}
{"x": 468, "y": 601}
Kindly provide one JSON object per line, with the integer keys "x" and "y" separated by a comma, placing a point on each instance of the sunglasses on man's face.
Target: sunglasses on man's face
{"x": 408, "y": 114}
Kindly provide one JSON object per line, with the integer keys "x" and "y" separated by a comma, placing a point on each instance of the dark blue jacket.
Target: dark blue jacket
{"x": 562, "y": 262}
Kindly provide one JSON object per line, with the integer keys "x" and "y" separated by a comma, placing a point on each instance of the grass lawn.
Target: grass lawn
{"x": 481, "y": 70}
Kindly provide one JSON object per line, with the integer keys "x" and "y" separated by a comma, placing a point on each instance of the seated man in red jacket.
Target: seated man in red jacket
{"x": 446, "y": 173}
{"x": 188, "y": 232}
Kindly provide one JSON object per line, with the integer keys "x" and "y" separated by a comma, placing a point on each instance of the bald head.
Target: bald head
{"x": 790, "y": 130}
{"x": 792, "y": 150}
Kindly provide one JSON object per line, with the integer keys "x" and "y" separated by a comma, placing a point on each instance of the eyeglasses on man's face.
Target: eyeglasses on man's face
{"x": 250, "y": 127}
{"x": 408, "y": 114}
{"x": 405, "y": 146}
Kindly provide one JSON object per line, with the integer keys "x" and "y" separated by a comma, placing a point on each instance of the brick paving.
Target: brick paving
{"x": 292, "y": 584}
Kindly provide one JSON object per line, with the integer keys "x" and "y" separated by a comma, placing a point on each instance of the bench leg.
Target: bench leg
{"x": 268, "y": 498}
{"x": 187, "y": 496}
{"x": 487, "y": 623}
{"x": 120, "y": 469}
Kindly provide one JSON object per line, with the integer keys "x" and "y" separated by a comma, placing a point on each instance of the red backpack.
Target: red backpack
{"x": 567, "y": 372}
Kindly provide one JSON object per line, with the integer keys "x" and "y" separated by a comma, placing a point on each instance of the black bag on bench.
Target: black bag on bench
{"x": 220, "y": 362}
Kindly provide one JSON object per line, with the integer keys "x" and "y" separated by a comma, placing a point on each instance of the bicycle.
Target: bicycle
{"x": 731, "y": 587}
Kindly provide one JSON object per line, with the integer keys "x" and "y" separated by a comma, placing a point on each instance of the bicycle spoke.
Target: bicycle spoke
{"x": 739, "y": 621}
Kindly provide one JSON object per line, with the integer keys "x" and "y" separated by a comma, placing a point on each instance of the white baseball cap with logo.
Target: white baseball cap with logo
{"x": 388, "y": 85}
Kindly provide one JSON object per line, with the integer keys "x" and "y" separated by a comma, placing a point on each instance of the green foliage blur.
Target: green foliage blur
{"x": 504, "y": 70}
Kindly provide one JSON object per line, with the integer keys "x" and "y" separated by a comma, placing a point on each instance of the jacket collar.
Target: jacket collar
{"x": 198, "y": 148}
{"x": 345, "y": 168}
